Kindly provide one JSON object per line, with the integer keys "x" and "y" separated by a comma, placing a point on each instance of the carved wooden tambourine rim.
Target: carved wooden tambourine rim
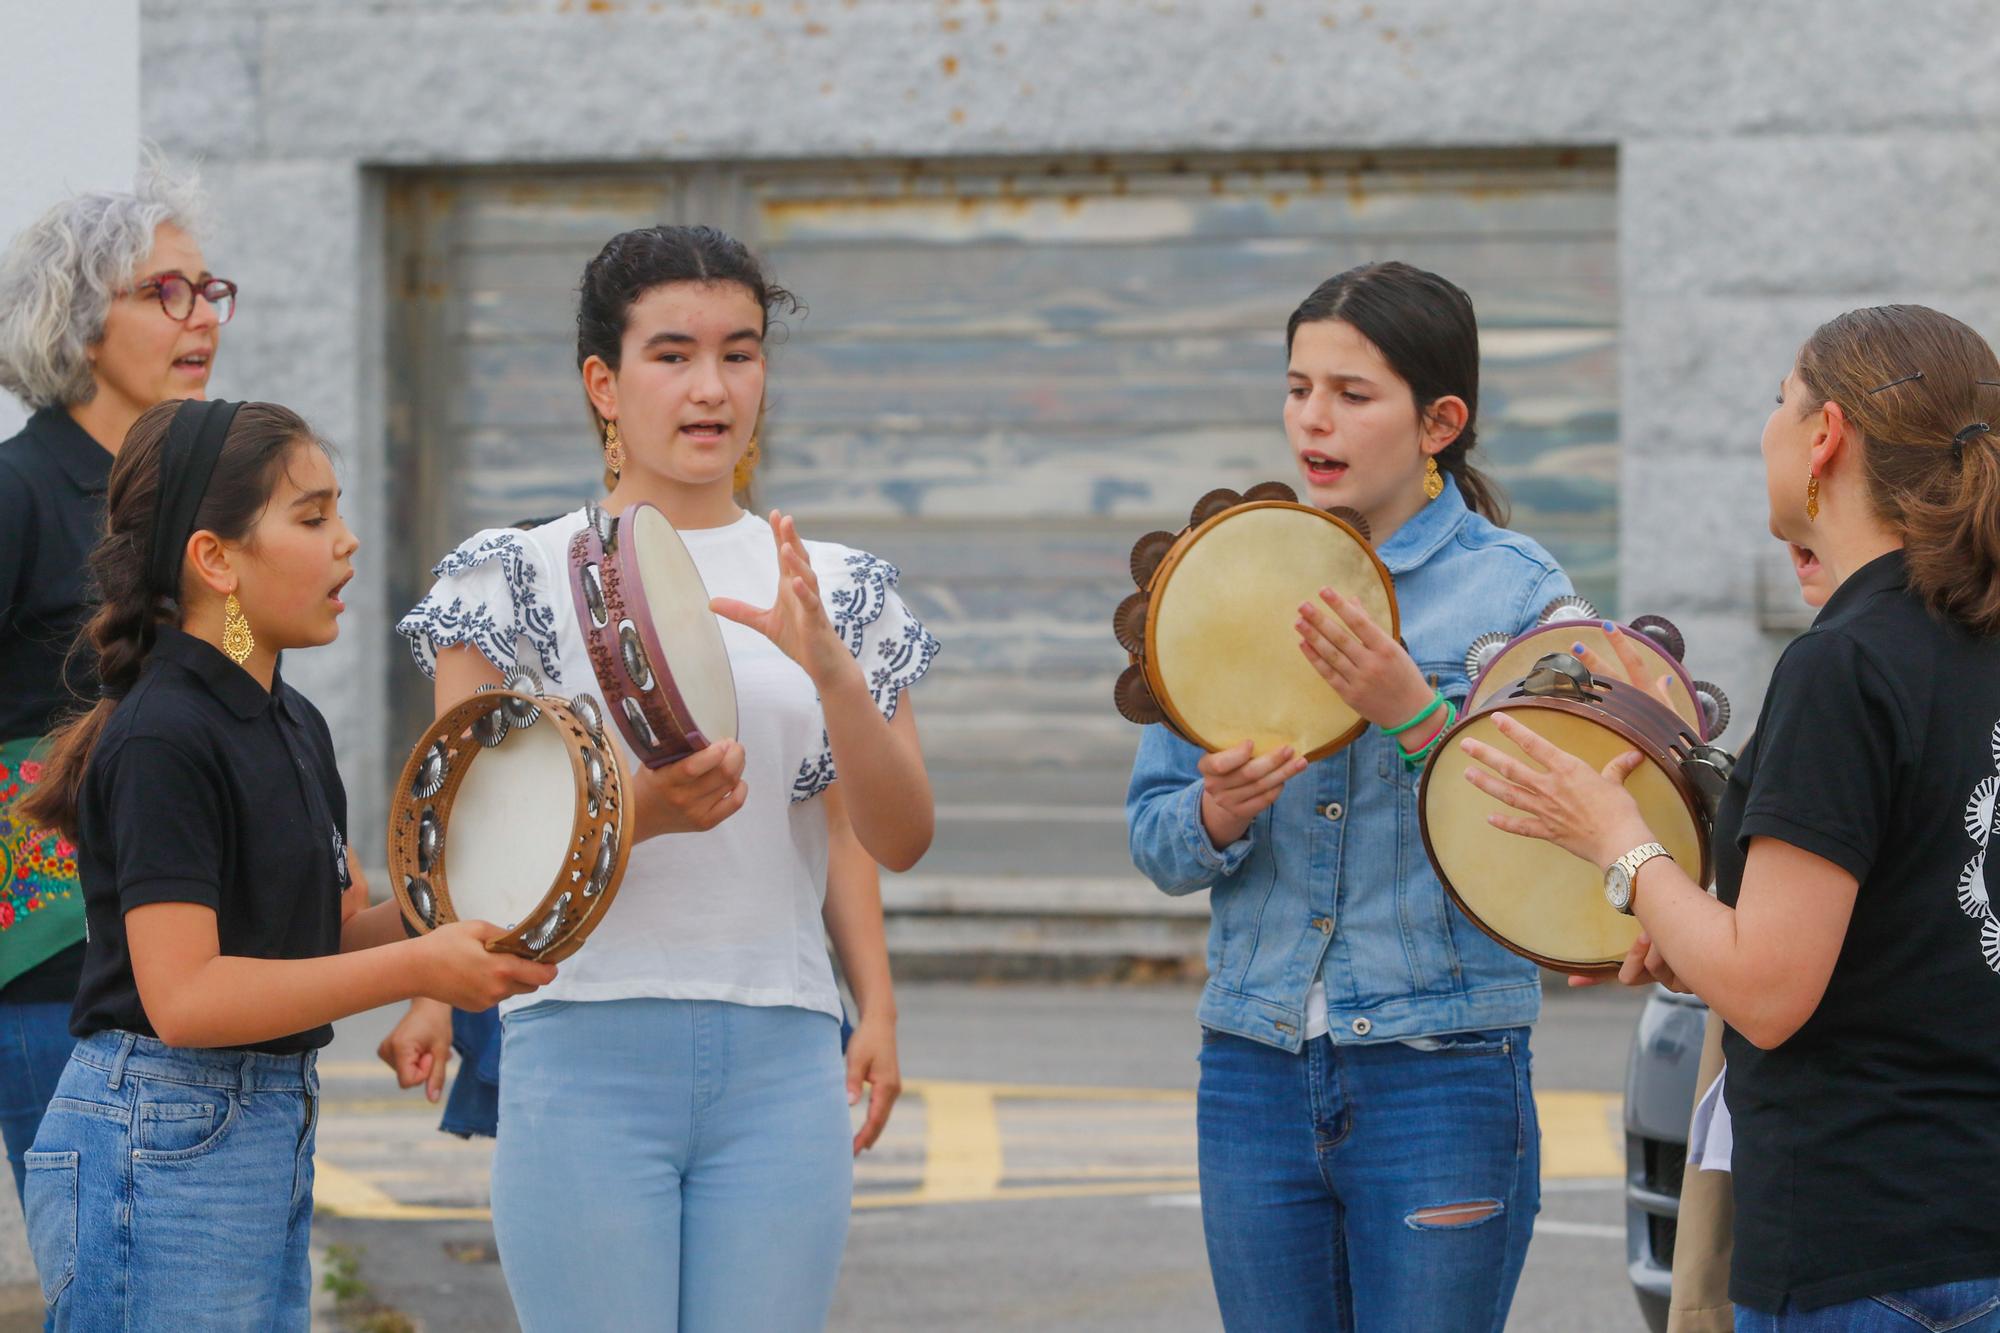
{"x": 1140, "y": 694}
{"x": 587, "y": 831}
{"x": 1659, "y": 733}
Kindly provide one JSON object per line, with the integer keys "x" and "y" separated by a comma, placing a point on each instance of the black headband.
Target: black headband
{"x": 187, "y": 461}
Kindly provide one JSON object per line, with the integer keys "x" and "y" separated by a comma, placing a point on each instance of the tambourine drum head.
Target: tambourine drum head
{"x": 1519, "y": 659}
{"x": 1531, "y": 893}
{"x": 678, "y": 604}
{"x": 1221, "y": 639}
{"x": 509, "y": 831}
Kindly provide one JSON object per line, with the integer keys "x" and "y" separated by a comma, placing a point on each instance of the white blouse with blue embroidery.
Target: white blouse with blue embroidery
{"x": 733, "y": 913}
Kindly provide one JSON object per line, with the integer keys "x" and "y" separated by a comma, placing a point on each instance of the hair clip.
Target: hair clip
{"x": 1913, "y": 375}
{"x": 1964, "y": 436}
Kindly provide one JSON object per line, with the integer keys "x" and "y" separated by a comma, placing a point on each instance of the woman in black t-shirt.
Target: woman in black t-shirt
{"x": 170, "y": 1185}
{"x": 1853, "y": 944}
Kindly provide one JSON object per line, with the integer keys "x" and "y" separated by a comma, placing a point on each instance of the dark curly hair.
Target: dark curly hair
{"x": 635, "y": 262}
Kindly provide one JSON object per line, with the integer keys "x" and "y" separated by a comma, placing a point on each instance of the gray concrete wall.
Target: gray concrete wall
{"x": 1777, "y": 163}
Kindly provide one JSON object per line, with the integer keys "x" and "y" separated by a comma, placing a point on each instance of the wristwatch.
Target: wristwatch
{"x": 1624, "y": 872}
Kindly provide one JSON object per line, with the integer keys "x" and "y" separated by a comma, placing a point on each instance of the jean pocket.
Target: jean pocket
{"x": 51, "y": 1201}
{"x": 1948, "y": 1305}
{"x": 172, "y": 1131}
{"x": 1499, "y": 1042}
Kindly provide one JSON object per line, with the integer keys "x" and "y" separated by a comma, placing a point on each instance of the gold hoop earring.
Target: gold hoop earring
{"x": 1812, "y": 496}
{"x": 614, "y": 450}
{"x": 237, "y": 640}
{"x": 746, "y": 466}
{"x": 1433, "y": 479}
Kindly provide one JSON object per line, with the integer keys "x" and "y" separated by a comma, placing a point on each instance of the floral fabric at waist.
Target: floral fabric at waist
{"x": 41, "y": 903}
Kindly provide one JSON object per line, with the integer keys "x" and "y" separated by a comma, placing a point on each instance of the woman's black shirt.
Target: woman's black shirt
{"x": 206, "y": 789}
{"x": 1867, "y": 1155}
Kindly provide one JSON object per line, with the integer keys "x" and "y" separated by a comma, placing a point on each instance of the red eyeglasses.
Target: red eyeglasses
{"x": 176, "y": 292}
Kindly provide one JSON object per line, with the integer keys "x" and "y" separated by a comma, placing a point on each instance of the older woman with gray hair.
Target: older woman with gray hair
{"x": 107, "y": 307}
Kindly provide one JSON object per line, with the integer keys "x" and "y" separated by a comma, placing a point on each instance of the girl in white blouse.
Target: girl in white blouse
{"x": 675, "y": 1148}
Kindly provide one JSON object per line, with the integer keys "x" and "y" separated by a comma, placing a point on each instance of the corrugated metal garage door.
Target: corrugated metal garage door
{"x": 1008, "y": 371}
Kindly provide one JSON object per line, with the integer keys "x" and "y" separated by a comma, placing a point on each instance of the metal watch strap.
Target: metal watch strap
{"x": 1638, "y": 856}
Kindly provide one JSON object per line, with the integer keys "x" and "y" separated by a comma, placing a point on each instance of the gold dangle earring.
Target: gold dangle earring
{"x": 1812, "y": 496}
{"x": 746, "y": 466}
{"x": 236, "y": 637}
{"x": 614, "y": 450}
{"x": 1433, "y": 479}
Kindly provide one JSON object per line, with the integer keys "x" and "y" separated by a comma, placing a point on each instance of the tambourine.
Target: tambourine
{"x": 511, "y": 809}
{"x": 1495, "y": 660}
{"x": 1530, "y": 895}
{"x": 1210, "y": 638}
{"x": 654, "y": 645}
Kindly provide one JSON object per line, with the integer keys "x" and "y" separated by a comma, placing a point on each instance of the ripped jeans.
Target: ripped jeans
{"x": 1368, "y": 1188}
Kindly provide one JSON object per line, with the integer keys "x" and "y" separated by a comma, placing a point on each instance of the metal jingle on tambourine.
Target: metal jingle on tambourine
{"x": 593, "y": 597}
{"x": 635, "y": 717}
{"x": 606, "y": 527}
{"x": 1215, "y": 502}
{"x": 429, "y": 838}
{"x": 1147, "y": 553}
{"x": 589, "y": 712}
{"x": 1270, "y": 490}
{"x": 1708, "y": 767}
{"x": 490, "y": 727}
{"x": 431, "y": 771}
{"x": 600, "y": 871}
{"x": 632, "y": 654}
{"x": 1355, "y": 519}
{"x": 523, "y": 711}
{"x": 1129, "y": 623}
{"x": 1558, "y": 675}
{"x": 1485, "y": 650}
{"x": 1715, "y": 711}
{"x": 1570, "y": 606}
{"x": 545, "y": 931}
{"x": 1664, "y": 633}
{"x": 593, "y": 778}
{"x": 1135, "y": 700}
{"x": 422, "y": 899}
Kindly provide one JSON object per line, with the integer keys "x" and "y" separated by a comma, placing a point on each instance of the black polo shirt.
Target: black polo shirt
{"x": 205, "y": 789}
{"x": 1867, "y": 1154}
{"x": 52, "y": 479}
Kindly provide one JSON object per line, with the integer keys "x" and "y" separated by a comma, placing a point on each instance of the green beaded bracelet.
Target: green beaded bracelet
{"x": 1437, "y": 702}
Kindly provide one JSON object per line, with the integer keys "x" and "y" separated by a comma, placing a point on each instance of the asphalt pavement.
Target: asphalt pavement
{"x": 1038, "y": 1174}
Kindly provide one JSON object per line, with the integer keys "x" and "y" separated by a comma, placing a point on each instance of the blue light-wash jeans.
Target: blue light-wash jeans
{"x": 684, "y": 1166}
{"x": 171, "y": 1189}
{"x": 34, "y": 1050}
{"x": 1966, "y": 1307}
{"x": 1367, "y": 1188}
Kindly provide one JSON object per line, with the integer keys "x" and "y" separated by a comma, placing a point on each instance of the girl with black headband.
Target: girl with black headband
{"x": 170, "y": 1185}
{"x": 1853, "y": 943}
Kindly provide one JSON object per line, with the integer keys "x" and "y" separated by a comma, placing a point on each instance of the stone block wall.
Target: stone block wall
{"x": 1777, "y": 163}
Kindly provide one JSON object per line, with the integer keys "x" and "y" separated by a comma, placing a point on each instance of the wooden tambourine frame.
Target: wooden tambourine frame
{"x": 1141, "y": 694}
{"x": 626, "y": 651}
{"x": 600, "y": 825}
{"x": 1636, "y": 718}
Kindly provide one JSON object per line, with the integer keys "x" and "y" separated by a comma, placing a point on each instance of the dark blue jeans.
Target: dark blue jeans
{"x": 1365, "y": 1188}
{"x": 34, "y": 1046}
{"x": 1967, "y": 1307}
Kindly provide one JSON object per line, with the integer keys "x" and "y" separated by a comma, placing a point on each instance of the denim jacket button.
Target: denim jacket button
{"x": 1362, "y": 1027}
{"x": 1323, "y": 924}
{"x": 1333, "y": 811}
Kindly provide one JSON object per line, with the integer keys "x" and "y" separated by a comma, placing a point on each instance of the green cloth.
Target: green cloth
{"x": 41, "y": 903}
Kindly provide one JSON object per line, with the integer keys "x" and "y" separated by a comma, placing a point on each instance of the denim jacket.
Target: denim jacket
{"x": 1331, "y": 882}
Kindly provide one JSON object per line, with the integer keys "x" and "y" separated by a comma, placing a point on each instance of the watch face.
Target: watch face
{"x": 1618, "y": 887}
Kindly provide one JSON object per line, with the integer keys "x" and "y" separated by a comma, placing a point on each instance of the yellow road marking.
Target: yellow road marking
{"x": 1582, "y": 1134}
{"x": 964, "y": 1156}
{"x": 961, "y": 1142}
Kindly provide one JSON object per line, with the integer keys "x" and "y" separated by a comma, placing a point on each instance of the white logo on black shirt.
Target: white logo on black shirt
{"x": 1973, "y": 898}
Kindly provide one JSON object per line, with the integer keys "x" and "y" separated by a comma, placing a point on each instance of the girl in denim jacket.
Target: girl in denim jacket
{"x": 1368, "y": 1146}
